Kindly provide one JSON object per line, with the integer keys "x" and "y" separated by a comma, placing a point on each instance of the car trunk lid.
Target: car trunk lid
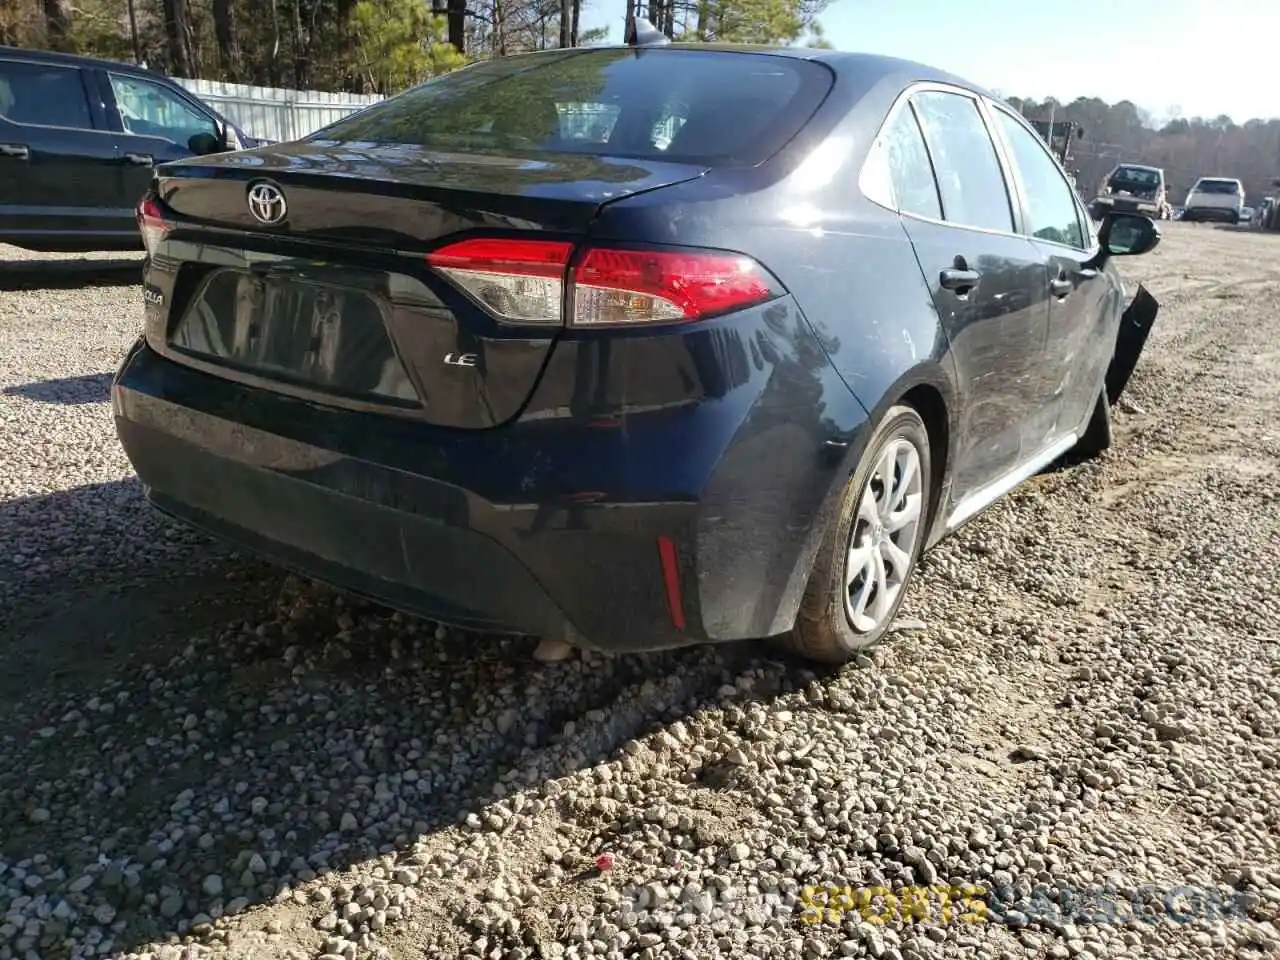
{"x": 324, "y": 290}
{"x": 405, "y": 197}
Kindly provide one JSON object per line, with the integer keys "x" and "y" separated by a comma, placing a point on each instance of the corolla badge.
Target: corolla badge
{"x": 267, "y": 203}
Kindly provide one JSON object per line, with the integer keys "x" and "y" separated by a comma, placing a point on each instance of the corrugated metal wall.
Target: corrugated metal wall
{"x": 273, "y": 113}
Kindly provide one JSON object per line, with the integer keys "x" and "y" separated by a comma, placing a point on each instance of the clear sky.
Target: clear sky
{"x": 1201, "y": 57}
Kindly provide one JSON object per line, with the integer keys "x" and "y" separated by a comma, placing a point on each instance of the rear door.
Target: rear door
{"x": 1081, "y": 327}
{"x": 989, "y": 283}
{"x": 156, "y": 124}
{"x": 56, "y": 155}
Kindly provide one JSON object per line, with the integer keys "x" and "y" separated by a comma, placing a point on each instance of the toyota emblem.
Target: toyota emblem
{"x": 266, "y": 203}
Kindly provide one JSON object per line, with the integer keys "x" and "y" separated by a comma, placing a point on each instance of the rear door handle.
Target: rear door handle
{"x": 961, "y": 281}
{"x": 19, "y": 151}
{"x": 1060, "y": 287}
{"x": 141, "y": 159}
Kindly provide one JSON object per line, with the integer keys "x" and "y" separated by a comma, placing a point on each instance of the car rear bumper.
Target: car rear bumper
{"x": 1225, "y": 214}
{"x": 469, "y": 528}
{"x": 1128, "y": 205}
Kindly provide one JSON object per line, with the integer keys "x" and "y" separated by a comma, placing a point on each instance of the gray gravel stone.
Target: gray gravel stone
{"x": 1081, "y": 694}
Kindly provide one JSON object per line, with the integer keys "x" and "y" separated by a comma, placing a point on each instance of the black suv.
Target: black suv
{"x": 78, "y": 140}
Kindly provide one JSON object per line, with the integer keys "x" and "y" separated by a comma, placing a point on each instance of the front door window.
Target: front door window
{"x": 149, "y": 109}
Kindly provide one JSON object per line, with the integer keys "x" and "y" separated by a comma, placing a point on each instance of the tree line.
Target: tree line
{"x": 1186, "y": 148}
{"x": 366, "y": 46}
{"x": 384, "y": 46}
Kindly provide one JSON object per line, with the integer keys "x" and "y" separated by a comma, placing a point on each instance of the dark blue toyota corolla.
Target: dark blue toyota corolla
{"x": 633, "y": 347}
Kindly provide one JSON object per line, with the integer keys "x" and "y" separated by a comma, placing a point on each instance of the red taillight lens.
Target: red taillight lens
{"x": 523, "y": 281}
{"x": 151, "y": 223}
{"x": 626, "y": 287}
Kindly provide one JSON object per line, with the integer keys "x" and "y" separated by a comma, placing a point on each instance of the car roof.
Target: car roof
{"x": 1139, "y": 166}
{"x": 76, "y": 60}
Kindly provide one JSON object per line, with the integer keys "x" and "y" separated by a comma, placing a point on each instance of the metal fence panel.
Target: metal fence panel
{"x": 274, "y": 113}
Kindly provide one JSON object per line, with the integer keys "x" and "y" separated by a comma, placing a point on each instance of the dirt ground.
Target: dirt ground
{"x": 200, "y": 754}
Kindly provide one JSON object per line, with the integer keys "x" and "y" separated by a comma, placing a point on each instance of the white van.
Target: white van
{"x": 1215, "y": 198}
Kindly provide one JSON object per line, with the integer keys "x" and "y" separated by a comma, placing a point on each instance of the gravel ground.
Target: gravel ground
{"x": 200, "y": 756}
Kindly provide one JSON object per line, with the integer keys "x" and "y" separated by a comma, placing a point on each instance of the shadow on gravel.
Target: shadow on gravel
{"x": 68, "y": 391}
{"x": 185, "y": 744}
{"x": 59, "y": 547}
{"x": 69, "y": 274}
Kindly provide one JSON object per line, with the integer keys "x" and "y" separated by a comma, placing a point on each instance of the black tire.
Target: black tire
{"x": 1097, "y": 435}
{"x": 823, "y": 630}
{"x": 1235, "y": 219}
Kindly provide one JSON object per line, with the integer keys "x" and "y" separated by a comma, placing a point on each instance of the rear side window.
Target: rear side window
{"x": 964, "y": 159}
{"x": 910, "y": 173}
{"x": 42, "y": 94}
{"x": 708, "y": 107}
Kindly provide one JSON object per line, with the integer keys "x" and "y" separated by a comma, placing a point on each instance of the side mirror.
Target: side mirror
{"x": 230, "y": 139}
{"x": 204, "y": 143}
{"x": 1127, "y": 235}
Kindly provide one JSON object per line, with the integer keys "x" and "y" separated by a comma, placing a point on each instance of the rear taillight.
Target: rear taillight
{"x": 151, "y": 223}
{"x": 521, "y": 281}
{"x": 524, "y": 281}
{"x": 624, "y": 287}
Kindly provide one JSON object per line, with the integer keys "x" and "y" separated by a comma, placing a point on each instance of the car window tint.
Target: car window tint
{"x": 964, "y": 160}
{"x": 152, "y": 110}
{"x": 1051, "y": 204}
{"x": 710, "y": 107}
{"x": 910, "y": 172}
{"x": 46, "y": 95}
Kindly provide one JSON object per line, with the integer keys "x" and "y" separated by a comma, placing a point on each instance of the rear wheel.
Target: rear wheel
{"x": 869, "y": 552}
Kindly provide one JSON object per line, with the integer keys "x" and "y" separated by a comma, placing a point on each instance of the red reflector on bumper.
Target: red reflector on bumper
{"x": 671, "y": 579}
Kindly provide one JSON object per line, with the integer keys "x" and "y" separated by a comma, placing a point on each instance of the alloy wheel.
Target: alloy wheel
{"x": 883, "y": 541}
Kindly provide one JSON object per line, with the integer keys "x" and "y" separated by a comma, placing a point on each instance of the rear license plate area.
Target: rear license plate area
{"x": 322, "y": 336}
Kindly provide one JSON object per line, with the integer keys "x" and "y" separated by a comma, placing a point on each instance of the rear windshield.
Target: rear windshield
{"x": 1218, "y": 186}
{"x": 708, "y": 107}
{"x": 1140, "y": 175}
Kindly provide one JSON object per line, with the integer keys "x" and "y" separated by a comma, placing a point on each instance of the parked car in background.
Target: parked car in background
{"x": 683, "y": 382}
{"x": 79, "y": 139}
{"x": 1218, "y": 199}
{"x": 1133, "y": 188}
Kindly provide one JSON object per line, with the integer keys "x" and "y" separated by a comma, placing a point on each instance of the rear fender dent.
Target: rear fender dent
{"x": 1135, "y": 326}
